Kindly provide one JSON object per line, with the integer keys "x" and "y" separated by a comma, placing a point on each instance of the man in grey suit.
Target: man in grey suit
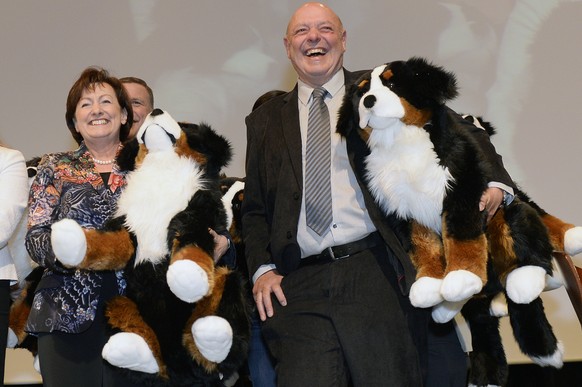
{"x": 334, "y": 305}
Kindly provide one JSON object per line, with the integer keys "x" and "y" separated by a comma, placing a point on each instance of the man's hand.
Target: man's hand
{"x": 490, "y": 201}
{"x": 268, "y": 283}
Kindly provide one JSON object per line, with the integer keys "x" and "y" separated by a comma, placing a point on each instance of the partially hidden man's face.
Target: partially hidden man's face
{"x": 141, "y": 104}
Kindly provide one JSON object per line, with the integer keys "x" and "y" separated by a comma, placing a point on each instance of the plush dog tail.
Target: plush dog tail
{"x": 479, "y": 122}
{"x": 534, "y": 334}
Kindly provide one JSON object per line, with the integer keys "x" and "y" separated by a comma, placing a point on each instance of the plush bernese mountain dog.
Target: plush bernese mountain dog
{"x": 427, "y": 173}
{"x": 183, "y": 321}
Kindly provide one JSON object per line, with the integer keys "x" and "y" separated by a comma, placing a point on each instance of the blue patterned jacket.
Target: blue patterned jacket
{"x": 67, "y": 185}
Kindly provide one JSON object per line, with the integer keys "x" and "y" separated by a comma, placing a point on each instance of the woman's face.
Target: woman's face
{"x": 98, "y": 116}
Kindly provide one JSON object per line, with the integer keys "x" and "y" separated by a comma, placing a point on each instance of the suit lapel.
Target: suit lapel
{"x": 292, "y": 134}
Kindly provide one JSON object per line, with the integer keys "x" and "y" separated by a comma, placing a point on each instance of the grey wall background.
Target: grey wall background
{"x": 517, "y": 61}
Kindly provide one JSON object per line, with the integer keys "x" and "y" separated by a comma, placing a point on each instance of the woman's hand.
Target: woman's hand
{"x": 221, "y": 244}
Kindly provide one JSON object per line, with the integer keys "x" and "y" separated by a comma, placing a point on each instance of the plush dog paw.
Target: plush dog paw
{"x": 460, "y": 285}
{"x": 552, "y": 282}
{"x": 129, "y": 350}
{"x": 525, "y": 284}
{"x": 12, "y": 339}
{"x": 213, "y": 337}
{"x": 498, "y": 306}
{"x": 36, "y": 363}
{"x": 69, "y": 242}
{"x": 187, "y": 280}
{"x": 426, "y": 292}
{"x": 573, "y": 241}
{"x": 446, "y": 311}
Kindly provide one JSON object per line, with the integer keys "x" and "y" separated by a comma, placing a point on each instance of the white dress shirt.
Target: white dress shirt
{"x": 350, "y": 219}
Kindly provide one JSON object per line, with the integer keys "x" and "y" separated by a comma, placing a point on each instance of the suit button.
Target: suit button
{"x": 289, "y": 235}
{"x": 296, "y": 195}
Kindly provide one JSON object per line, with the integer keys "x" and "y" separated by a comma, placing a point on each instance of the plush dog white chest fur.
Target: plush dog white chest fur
{"x": 404, "y": 174}
{"x": 156, "y": 191}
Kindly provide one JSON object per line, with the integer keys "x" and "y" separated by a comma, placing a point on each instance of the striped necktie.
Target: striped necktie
{"x": 318, "y": 213}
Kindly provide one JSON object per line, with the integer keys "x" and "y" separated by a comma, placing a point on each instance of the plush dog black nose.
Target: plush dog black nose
{"x": 157, "y": 112}
{"x": 369, "y": 101}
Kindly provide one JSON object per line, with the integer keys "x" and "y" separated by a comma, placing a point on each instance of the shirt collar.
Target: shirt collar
{"x": 333, "y": 86}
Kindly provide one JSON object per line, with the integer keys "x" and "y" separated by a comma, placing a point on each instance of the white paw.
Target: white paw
{"x": 554, "y": 360}
{"x": 187, "y": 280}
{"x": 12, "y": 339}
{"x": 553, "y": 282}
{"x": 129, "y": 350}
{"x": 446, "y": 311}
{"x": 69, "y": 242}
{"x": 460, "y": 285}
{"x": 36, "y": 363}
{"x": 573, "y": 241}
{"x": 426, "y": 292}
{"x": 213, "y": 337}
{"x": 525, "y": 284}
{"x": 498, "y": 306}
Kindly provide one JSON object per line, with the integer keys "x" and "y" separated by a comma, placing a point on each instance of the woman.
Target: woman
{"x": 13, "y": 195}
{"x": 84, "y": 185}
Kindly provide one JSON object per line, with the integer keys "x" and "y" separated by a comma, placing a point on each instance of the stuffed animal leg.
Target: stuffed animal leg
{"x": 564, "y": 236}
{"x": 18, "y": 315}
{"x": 218, "y": 324}
{"x": 136, "y": 347}
{"x": 190, "y": 275}
{"x": 428, "y": 258}
{"x": 215, "y": 335}
{"x": 520, "y": 250}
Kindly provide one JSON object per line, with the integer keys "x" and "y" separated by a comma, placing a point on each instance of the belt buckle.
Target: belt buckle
{"x": 332, "y": 255}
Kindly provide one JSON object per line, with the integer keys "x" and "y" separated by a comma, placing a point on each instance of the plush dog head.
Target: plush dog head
{"x": 161, "y": 133}
{"x": 405, "y": 91}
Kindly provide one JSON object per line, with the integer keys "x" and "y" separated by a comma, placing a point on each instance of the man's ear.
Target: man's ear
{"x": 286, "y": 43}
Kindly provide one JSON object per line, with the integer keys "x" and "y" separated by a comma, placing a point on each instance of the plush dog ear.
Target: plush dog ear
{"x": 423, "y": 84}
{"x": 214, "y": 147}
{"x": 126, "y": 157}
{"x": 348, "y": 114}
